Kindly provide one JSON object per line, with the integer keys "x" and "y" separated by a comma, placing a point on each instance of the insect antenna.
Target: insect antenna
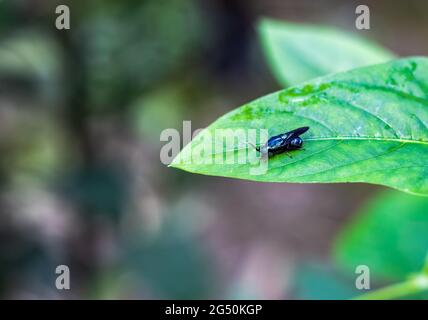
{"x": 254, "y": 146}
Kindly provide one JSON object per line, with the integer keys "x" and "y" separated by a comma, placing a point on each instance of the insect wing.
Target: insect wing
{"x": 295, "y": 133}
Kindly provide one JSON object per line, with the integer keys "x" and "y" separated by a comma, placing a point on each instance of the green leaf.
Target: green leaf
{"x": 298, "y": 52}
{"x": 389, "y": 235}
{"x": 366, "y": 125}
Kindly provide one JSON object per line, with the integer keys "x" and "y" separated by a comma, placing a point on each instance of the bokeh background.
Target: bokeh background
{"x": 81, "y": 182}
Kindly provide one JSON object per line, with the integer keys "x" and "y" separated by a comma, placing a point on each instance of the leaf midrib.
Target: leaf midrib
{"x": 341, "y": 138}
{"x": 363, "y": 138}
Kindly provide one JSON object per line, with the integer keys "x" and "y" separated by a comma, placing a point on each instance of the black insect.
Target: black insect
{"x": 283, "y": 142}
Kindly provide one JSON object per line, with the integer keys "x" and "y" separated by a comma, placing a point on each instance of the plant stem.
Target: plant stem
{"x": 414, "y": 285}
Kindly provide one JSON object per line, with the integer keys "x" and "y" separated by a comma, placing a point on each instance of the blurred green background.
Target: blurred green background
{"x": 81, "y": 182}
